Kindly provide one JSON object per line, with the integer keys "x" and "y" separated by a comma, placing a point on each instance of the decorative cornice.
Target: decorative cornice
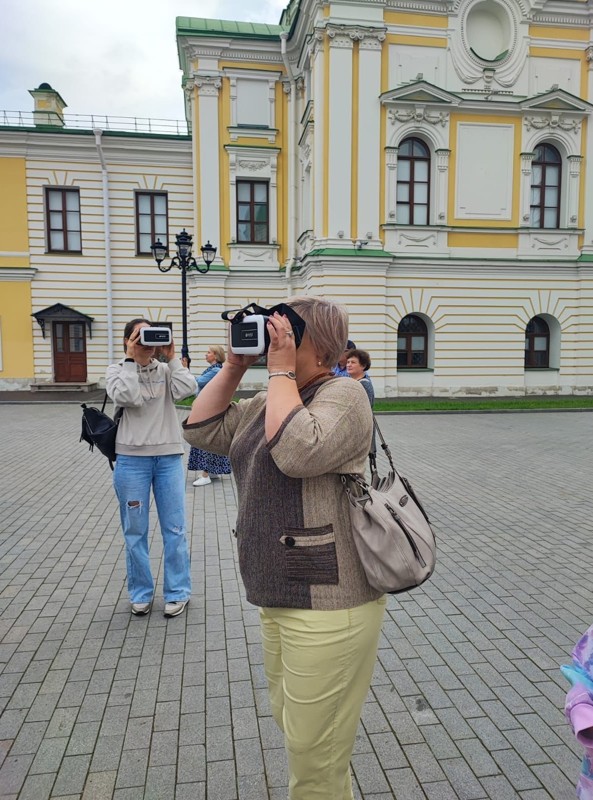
{"x": 561, "y": 19}
{"x": 252, "y": 166}
{"x": 552, "y": 121}
{"x": 17, "y": 273}
{"x": 418, "y": 114}
{"x": 420, "y": 5}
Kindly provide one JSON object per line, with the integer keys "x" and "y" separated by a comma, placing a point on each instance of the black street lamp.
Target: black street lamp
{"x": 185, "y": 262}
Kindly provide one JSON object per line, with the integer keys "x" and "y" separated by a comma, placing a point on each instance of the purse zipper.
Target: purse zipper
{"x": 407, "y": 534}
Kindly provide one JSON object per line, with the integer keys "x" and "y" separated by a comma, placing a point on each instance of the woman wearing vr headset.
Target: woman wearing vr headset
{"x": 149, "y": 448}
{"x": 320, "y": 618}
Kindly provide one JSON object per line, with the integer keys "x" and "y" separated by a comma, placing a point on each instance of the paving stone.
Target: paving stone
{"x": 466, "y": 698}
{"x": 72, "y": 775}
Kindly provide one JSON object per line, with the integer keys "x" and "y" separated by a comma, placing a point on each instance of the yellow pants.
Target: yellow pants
{"x": 319, "y": 666}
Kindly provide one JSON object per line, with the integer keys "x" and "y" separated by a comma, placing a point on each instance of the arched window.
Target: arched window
{"x": 546, "y": 173}
{"x": 412, "y": 342}
{"x": 537, "y": 343}
{"x": 413, "y": 182}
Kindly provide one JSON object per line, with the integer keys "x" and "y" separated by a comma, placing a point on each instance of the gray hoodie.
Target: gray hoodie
{"x": 149, "y": 425}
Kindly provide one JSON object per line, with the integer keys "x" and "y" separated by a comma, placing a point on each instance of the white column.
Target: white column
{"x": 441, "y": 187}
{"x": 340, "y": 132}
{"x": 390, "y": 184}
{"x": 369, "y": 135}
{"x": 209, "y": 143}
{"x": 318, "y": 71}
{"x": 526, "y": 159}
{"x": 588, "y": 241}
{"x": 574, "y": 183}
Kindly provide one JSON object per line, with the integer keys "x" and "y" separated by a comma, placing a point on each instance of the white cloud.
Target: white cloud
{"x": 113, "y": 57}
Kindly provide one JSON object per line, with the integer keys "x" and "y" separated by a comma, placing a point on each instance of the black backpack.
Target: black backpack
{"x": 99, "y": 430}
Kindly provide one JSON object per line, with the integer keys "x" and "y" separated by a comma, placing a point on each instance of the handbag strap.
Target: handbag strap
{"x": 118, "y": 414}
{"x": 385, "y": 448}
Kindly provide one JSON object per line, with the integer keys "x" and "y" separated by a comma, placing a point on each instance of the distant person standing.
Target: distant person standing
{"x": 340, "y": 370}
{"x": 209, "y": 464}
{"x": 149, "y": 449}
{"x": 357, "y": 364}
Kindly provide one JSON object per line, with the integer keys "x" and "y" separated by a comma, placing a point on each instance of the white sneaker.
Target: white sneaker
{"x": 140, "y": 609}
{"x": 175, "y": 608}
{"x": 202, "y": 481}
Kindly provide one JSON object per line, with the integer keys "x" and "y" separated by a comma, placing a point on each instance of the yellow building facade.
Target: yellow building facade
{"x": 422, "y": 161}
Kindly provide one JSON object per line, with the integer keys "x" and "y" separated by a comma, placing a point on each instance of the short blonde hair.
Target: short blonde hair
{"x": 327, "y": 326}
{"x": 218, "y": 351}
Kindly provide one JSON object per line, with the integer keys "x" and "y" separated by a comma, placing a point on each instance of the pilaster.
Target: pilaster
{"x": 526, "y": 161}
{"x": 209, "y": 137}
{"x": 441, "y": 186}
{"x": 340, "y": 130}
{"x": 369, "y": 133}
{"x": 574, "y": 183}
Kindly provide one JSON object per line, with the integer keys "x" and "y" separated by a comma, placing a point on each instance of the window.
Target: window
{"x": 413, "y": 182}
{"x": 252, "y": 212}
{"x": 545, "y": 187}
{"x": 537, "y": 344}
{"x": 412, "y": 342}
{"x": 62, "y": 211}
{"x": 151, "y": 220}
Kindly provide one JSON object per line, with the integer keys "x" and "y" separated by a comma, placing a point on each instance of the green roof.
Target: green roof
{"x": 200, "y": 26}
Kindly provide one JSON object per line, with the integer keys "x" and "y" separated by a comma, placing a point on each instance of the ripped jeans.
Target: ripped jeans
{"x": 132, "y": 478}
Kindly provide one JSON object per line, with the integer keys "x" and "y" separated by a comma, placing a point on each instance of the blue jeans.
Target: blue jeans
{"x": 132, "y": 478}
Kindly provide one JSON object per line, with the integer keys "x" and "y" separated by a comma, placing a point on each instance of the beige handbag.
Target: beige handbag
{"x": 391, "y": 530}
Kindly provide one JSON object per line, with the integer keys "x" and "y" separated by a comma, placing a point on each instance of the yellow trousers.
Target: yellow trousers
{"x": 319, "y": 666}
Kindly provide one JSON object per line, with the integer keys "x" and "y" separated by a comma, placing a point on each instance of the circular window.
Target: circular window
{"x": 489, "y": 31}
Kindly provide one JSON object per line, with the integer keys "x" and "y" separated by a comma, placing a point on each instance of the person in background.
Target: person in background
{"x": 340, "y": 369}
{"x": 149, "y": 449}
{"x": 320, "y": 618}
{"x": 358, "y": 362}
{"x": 209, "y": 464}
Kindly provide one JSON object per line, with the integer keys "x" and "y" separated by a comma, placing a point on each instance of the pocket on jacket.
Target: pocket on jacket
{"x": 310, "y": 554}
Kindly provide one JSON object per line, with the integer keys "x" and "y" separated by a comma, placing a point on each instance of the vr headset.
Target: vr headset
{"x": 155, "y": 337}
{"x": 249, "y": 333}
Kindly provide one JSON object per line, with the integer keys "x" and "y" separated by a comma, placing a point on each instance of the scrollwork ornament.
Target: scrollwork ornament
{"x": 554, "y": 121}
{"x": 419, "y": 115}
{"x": 208, "y": 85}
{"x": 252, "y": 166}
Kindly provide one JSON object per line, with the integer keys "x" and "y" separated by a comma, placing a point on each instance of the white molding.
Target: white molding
{"x": 416, "y": 239}
{"x": 261, "y": 256}
{"x": 252, "y": 163}
{"x": 543, "y": 242}
{"x": 245, "y": 131}
{"x": 17, "y": 273}
{"x": 504, "y": 212}
{"x": 14, "y": 254}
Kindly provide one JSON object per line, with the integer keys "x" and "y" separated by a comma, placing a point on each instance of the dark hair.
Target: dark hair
{"x": 362, "y": 356}
{"x": 129, "y": 329}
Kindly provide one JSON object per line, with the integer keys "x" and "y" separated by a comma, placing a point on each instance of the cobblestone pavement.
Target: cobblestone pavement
{"x": 466, "y": 700}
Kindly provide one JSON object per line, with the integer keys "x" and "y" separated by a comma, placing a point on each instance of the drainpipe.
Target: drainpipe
{"x": 293, "y": 163}
{"x": 107, "y": 230}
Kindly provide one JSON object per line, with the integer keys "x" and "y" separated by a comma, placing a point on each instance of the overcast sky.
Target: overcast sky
{"x": 113, "y": 57}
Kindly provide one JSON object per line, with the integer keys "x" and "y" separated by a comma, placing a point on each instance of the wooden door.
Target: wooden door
{"x": 69, "y": 345}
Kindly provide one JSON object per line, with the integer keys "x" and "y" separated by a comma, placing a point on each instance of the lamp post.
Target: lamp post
{"x": 185, "y": 262}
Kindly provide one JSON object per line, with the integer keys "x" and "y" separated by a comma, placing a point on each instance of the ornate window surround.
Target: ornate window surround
{"x": 237, "y": 131}
{"x": 253, "y": 163}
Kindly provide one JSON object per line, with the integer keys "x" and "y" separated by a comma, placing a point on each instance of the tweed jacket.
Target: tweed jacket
{"x": 293, "y": 527}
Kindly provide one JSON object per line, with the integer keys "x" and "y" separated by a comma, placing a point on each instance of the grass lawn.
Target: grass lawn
{"x": 471, "y": 404}
{"x": 484, "y": 404}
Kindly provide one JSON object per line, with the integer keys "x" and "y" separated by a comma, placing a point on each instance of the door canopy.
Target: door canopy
{"x": 61, "y": 313}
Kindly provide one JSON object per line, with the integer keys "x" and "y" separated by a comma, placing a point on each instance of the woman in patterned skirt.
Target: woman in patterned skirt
{"x": 201, "y": 460}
